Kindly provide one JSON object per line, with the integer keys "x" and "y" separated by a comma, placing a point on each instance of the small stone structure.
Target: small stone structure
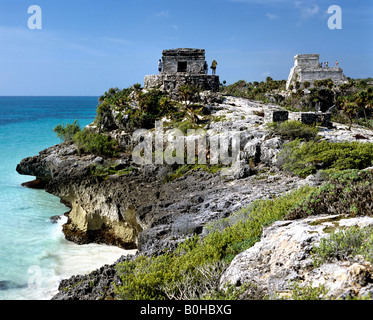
{"x": 310, "y": 118}
{"x": 307, "y": 68}
{"x": 183, "y": 61}
{"x": 276, "y": 116}
{"x": 180, "y": 67}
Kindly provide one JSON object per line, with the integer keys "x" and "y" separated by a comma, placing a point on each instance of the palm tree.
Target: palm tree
{"x": 349, "y": 109}
{"x": 166, "y": 104}
{"x": 361, "y": 102}
{"x": 188, "y": 94}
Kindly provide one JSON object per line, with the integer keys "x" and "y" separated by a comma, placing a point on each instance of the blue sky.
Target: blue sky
{"x": 86, "y": 47}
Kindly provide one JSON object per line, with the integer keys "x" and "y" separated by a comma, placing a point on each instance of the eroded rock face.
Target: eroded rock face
{"x": 97, "y": 213}
{"x": 284, "y": 255}
{"x": 140, "y": 210}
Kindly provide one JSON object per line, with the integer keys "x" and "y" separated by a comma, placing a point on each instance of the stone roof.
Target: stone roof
{"x": 183, "y": 52}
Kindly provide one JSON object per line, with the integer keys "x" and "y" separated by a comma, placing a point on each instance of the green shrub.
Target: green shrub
{"x": 96, "y": 143}
{"x": 140, "y": 108}
{"x": 348, "y": 192}
{"x": 309, "y": 292}
{"x": 305, "y": 158}
{"x": 142, "y": 278}
{"x": 345, "y": 245}
{"x": 145, "y": 277}
{"x": 255, "y": 90}
{"x": 67, "y": 132}
{"x": 291, "y": 130}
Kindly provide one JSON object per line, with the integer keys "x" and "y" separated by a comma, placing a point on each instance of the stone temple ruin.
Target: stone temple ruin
{"x": 180, "y": 67}
{"x": 307, "y": 68}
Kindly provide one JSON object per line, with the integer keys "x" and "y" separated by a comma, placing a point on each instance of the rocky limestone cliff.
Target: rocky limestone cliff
{"x": 140, "y": 210}
{"x": 136, "y": 209}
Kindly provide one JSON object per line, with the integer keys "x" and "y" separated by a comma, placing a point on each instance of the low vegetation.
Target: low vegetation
{"x": 68, "y": 131}
{"x": 345, "y": 244}
{"x": 95, "y": 143}
{"x": 106, "y": 171}
{"x": 291, "y": 130}
{"x": 165, "y": 275}
{"x": 346, "y": 192}
{"x": 87, "y": 141}
{"x": 182, "y": 170}
{"x": 138, "y": 109}
{"x": 256, "y": 90}
{"x": 304, "y": 158}
{"x": 352, "y": 101}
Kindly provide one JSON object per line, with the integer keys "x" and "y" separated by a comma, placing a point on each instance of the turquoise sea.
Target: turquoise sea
{"x": 34, "y": 255}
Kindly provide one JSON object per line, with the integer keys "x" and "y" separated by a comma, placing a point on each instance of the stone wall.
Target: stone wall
{"x": 334, "y": 73}
{"x": 306, "y": 60}
{"x": 172, "y": 82}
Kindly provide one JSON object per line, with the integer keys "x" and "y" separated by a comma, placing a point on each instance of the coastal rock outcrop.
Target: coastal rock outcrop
{"x": 138, "y": 209}
{"x": 137, "y": 206}
{"x": 283, "y": 257}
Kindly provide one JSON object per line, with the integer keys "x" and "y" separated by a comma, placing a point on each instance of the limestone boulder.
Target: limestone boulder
{"x": 283, "y": 257}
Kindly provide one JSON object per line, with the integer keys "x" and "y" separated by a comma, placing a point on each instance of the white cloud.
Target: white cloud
{"x": 310, "y": 12}
{"x": 271, "y": 16}
{"x": 307, "y": 11}
{"x": 164, "y": 14}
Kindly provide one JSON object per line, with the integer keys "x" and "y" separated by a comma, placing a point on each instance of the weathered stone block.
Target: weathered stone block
{"x": 276, "y": 116}
{"x": 326, "y": 120}
{"x": 153, "y": 81}
{"x": 309, "y": 118}
{"x": 312, "y": 118}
